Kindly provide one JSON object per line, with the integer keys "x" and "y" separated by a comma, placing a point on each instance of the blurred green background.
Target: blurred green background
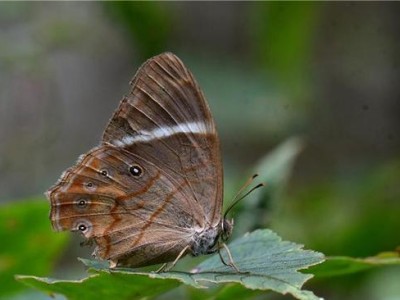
{"x": 326, "y": 73}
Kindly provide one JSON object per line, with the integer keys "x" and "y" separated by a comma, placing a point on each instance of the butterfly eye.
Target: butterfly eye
{"x": 104, "y": 173}
{"x": 136, "y": 170}
{"x": 82, "y": 227}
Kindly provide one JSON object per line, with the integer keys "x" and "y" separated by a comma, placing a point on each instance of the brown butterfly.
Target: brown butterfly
{"x": 152, "y": 191}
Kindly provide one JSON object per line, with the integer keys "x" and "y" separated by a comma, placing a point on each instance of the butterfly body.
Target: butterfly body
{"x": 152, "y": 190}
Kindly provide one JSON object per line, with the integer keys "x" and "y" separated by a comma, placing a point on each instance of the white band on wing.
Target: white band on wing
{"x": 161, "y": 132}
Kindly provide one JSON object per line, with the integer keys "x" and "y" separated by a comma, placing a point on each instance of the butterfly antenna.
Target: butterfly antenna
{"x": 237, "y": 199}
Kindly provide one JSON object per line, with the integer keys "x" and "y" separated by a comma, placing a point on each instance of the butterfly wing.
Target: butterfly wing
{"x": 166, "y": 119}
{"x": 155, "y": 180}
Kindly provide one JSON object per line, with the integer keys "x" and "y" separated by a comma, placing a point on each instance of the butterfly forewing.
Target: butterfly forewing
{"x": 169, "y": 123}
{"x": 164, "y": 97}
{"x": 156, "y": 179}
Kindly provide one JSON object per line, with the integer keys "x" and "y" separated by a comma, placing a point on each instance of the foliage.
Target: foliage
{"x": 27, "y": 244}
{"x": 148, "y": 24}
{"x": 341, "y": 265}
{"x": 264, "y": 260}
{"x": 357, "y": 213}
{"x": 285, "y": 47}
{"x": 349, "y": 209}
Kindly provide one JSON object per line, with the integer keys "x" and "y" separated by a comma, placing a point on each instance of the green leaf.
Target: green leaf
{"x": 104, "y": 285}
{"x": 274, "y": 170}
{"x": 236, "y": 291}
{"x": 264, "y": 260}
{"x": 28, "y": 244}
{"x": 359, "y": 209}
{"x": 267, "y": 263}
{"x": 340, "y": 265}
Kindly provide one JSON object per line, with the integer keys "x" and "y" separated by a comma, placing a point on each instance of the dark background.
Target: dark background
{"x": 324, "y": 72}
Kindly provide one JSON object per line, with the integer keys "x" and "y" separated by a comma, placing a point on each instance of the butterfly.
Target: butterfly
{"x": 152, "y": 191}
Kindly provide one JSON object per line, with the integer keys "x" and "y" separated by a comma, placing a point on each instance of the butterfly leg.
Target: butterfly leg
{"x": 113, "y": 264}
{"x": 164, "y": 267}
{"x": 230, "y": 263}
